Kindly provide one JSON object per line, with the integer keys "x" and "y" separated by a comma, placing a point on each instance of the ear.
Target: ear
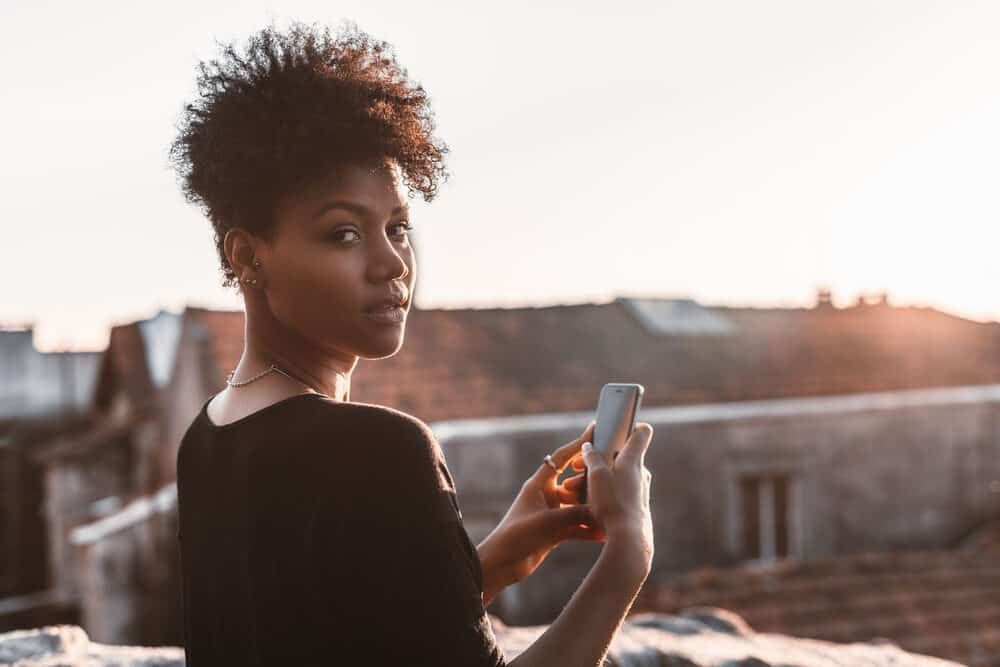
{"x": 242, "y": 249}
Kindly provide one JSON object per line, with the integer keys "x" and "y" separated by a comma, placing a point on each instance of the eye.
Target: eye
{"x": 407, "y": 227}
{"x": 336, "y": 236}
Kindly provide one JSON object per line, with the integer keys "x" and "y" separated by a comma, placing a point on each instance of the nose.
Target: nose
{"x": 387, "y": 262}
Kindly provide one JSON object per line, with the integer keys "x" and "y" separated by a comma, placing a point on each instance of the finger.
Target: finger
{"x": 570, "y": 450}
{"x": 567, "y": 496}
{"x": 577, "y": 464}
{"x": 598, "y": 473}
{"x": 568, "y": 492}
{"x": 592, "y": 458}
{"x": 562, "y": 456}
{"x": 635, "y": 447}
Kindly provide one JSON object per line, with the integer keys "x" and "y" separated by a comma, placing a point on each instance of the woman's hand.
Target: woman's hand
{"x": 536, "y": 522}
{"x": 618, "y": 495}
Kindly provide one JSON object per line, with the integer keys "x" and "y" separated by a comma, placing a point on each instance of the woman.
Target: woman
{"x": 313, "y": 529}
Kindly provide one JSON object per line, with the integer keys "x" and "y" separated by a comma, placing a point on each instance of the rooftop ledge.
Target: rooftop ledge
{"x": 701, "y": 637}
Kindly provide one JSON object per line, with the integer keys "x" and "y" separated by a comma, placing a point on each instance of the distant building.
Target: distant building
{"x": 42, "y": 383}
{"x": 41, "y": 393}
{"x": 80, "y": 448}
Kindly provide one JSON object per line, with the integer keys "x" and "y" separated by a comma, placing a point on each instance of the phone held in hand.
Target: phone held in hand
{"x": 617, "y": 408}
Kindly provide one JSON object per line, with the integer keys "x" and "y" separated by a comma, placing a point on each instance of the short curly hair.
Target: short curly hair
{"x": 291, "y": 108}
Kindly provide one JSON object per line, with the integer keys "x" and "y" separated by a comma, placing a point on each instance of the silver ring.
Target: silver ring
{"x": 552, "y": 464}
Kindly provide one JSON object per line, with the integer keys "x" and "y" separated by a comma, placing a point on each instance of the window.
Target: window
{"x": 764, "y": 510}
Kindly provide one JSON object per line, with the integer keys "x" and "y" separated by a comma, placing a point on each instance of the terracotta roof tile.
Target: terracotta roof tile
{"x": 466, "y": 363}
{"x": 124, "y": 368}
{"x": 942, "y": 603}
{"x": 225, "y": 339}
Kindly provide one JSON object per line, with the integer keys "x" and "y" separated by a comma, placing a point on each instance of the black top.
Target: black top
{"x": 318, "y": 532}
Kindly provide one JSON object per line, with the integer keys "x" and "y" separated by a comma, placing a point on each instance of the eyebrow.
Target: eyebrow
{"x": 358, "y": 209}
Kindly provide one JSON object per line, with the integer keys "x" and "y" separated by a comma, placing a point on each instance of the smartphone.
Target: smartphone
{"x": 617, "y": 408}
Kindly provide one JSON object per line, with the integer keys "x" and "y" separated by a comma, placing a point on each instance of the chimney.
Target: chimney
{"x": 824, "y": 298}
{"x": 873, "y": 299}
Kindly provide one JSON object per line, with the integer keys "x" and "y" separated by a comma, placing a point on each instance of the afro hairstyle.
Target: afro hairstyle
{"x": 289, "y": 108}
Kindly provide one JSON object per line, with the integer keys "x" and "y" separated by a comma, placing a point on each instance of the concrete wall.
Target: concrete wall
{"x": 869, "y": 472}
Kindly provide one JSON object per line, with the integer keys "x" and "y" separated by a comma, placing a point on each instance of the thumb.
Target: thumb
{"x": 598, "y": 471}
{"x": 637, "y": 443}
{"x": 593, "y": 459}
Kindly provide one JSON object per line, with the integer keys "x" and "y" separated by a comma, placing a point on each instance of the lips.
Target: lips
{"x": 392, "y": 316}
{"x": 387, "y": 304}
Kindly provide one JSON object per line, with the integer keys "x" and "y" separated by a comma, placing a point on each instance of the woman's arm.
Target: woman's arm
{"x": 519, "y": 544}
{"x": 619, "y": 497}
{"x": 494, "y": 580}
{"x": 583, "y": 631}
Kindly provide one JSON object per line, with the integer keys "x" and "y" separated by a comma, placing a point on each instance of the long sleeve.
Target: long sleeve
{"x": 398, "y": 580}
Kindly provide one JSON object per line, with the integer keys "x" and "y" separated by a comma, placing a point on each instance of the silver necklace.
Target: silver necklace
{"x": 229, "y": 379}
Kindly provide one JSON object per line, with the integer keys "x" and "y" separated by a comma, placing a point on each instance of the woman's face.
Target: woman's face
{"x": 341, "y": 249}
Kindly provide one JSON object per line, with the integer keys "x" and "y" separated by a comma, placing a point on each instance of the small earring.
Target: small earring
{"x": 252, "y": 281}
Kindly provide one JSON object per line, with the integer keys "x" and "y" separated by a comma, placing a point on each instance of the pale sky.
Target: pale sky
{"x": 735, "y": 152}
